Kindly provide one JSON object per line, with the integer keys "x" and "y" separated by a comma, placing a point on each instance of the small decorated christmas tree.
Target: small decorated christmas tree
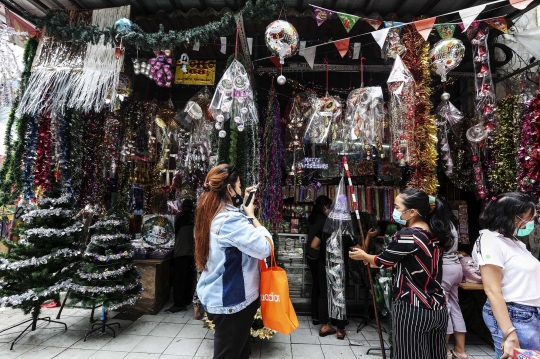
{"x": 107, "y": 275}
{"x": 42, "y": 262}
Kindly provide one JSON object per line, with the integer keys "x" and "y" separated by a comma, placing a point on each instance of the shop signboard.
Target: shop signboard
{"x": 199, "y": 72}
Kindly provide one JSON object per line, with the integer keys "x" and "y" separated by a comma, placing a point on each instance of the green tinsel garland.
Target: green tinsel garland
{"x": 510, "y": 113}
{"x": 11, "y": 172}
{"x": 59, "y": 26}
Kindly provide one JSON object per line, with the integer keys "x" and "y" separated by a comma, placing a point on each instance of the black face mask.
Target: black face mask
{"x": 236, "y": 199}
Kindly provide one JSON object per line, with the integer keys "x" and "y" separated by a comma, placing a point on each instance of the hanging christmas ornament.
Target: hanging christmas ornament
{"x": 393, "y": 46}
{"x": 161, "y": 68}
{"x": 281, "y": 80}
{"x": 445, "y": 56}
{"x": 123, "y": 25}
{"x": 184, "y": 61}
{"x": 448, "y": 116}
{"x": 327, "y": 111}
{"x": 282, "y": 39}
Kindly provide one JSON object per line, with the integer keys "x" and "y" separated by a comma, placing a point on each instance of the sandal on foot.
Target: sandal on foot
{"x": 327, "y": 332}
{"x": 459, "y": 356}
{"x": 341, "y": 334}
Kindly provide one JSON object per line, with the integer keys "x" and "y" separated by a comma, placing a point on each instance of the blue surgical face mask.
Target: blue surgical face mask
{"x": 529, "y": 227}
{"x": 397, "y": 217}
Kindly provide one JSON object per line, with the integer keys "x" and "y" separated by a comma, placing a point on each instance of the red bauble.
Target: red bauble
{"x": 475, "y": 158}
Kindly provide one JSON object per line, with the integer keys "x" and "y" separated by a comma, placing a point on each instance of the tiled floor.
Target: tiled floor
{"x": 177, "y": 336}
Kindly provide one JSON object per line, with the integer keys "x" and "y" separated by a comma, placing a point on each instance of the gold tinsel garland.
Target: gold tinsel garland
{"x": 506, "y": 142}
{"x": 261, "y": 333}
{"x": 423, "y": 130}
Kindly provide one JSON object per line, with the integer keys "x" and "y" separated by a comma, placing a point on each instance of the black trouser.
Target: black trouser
{"x": 316, "y": 287}
{"x": 418, "y": 332}
{"x": 183, "y": 278}
{"x": 323, "y": 299}
{"x": 232, "y": 333}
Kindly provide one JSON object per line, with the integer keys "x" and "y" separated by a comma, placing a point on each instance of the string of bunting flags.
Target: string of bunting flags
{"x": 424, "y": 26}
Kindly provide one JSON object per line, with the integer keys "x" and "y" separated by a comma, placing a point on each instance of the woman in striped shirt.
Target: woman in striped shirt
{"x": 419, "y": 313}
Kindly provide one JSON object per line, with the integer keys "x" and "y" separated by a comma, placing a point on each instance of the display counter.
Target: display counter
{"x": 155, "y": 279}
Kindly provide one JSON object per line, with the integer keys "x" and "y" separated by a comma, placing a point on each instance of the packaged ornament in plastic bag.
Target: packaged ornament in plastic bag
{"x": 338, "y": 230}
{"x": 233, "y": 99}
{"x": 447, "y": 117}
{"x": 365, "y": 119}
{"x": 327, "y": 110}
{"x": 401, "y": 86}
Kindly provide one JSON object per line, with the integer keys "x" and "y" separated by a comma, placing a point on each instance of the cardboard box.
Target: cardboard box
{"x": 526, "y": 354}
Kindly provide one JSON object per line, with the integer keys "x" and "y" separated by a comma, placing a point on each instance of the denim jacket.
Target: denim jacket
{"x": 230, "y": 281}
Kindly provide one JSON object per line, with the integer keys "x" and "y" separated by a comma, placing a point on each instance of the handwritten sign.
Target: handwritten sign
{"x": 199, "y": 72}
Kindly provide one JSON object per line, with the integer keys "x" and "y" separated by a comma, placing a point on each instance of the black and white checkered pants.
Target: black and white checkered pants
{"x": 418, "y": 333}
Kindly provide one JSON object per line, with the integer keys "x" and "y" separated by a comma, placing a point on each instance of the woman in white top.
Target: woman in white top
{"x": 510, "y": 273}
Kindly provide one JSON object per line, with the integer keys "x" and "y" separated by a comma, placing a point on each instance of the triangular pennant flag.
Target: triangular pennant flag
{"x": 250, "y": 45}
{"x": 380, "y": 36}
{"x": 520, "y": 4}
{"x": 499, "y": 23}
{"x": 342, "y": 46}
{"x": 424, "y": 26}
{"x": 309, "y": 55}
{"x": 398, "y": 72}
{"x": 348, "y": 21}
{"x": 472, "y": 30}
{"x": 321, "y": 15}
{"x": 196, "y": 46}
{"x": 445, "y": 30}
{"x": 223, "y": 48}
{"x": 470, "y": 14}
{"x": 374, "y": 23}
{"x": 275, "y": 60}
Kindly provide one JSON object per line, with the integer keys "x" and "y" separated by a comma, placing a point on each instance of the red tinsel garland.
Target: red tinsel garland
{"x": 44, "y": 157}
{"x": 422, "y": 128}
{"x": 529, "y": 151}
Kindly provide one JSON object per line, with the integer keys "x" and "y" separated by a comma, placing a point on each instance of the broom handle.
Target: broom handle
{"x": 365, "y": 246}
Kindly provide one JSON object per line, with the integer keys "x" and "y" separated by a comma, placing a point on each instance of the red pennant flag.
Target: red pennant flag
{"x": 275, "y": 60}
{"x": 342, "y": 46}
{"x": 424, "y": 26}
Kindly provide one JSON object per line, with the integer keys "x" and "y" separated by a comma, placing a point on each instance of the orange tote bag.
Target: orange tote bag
{"x": 277, "y": 311}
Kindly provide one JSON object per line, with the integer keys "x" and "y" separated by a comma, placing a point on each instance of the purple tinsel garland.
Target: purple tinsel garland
{"x": 271, "y": 157}
{"x": 529, "y": 151}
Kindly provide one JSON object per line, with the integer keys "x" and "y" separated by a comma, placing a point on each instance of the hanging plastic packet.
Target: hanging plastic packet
{"x": 365, "y": 119}
{"x": 447, "y": 117}
{"x": 337, "y": 227}
{"x": 233, "y": 99}
{"x": 327, "y": 110}
{"x": 401, "y": 86}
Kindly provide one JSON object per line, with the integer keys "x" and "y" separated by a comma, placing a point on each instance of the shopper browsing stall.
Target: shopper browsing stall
{"x": 183, "y": 275}
{"x": 510, "y": 274}
{"x": 229, "y": 242}
{"x": 415, "y": 255}
{"x": 316, "y": 223}
{"x": 452, "y": 277}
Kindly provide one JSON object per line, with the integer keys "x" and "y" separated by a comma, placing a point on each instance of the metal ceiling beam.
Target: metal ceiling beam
{"x": 41, "y": 6}
{"x": 77, "y": 4}
{"x": 367, "y": 10}
{"x": 303, "y": 67}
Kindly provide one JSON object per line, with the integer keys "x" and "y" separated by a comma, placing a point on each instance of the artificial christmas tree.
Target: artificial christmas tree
{"x": 107, "y": 275}
{"x": 43, "y": 261}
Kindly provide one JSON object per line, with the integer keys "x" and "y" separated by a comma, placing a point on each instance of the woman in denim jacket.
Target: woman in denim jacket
{"x": 229, "y": 242}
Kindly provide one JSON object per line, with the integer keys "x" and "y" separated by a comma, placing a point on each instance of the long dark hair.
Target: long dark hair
{"x": 210, "y": 204}
{"x": 500, "y": 215}
{"x": 437, "y": 219}
{"x": 318, "y": 208}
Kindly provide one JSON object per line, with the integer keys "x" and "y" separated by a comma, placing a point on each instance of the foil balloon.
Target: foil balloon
{"x": 445, "y": 56}
{"x": 282, "y": 39}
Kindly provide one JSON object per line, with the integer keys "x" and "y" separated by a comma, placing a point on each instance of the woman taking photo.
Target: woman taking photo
{"x": 229, "y": 242}
{"x": 510, "y": 273}
{"x": 415, "y": 255}
{"x": 316, "y": 223}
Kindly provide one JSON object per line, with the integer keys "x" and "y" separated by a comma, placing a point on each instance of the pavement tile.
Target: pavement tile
{"x": 206, "y": 349}
{"x": 306, "y": 351}
{"x": 190, "y": 331}
{"x": 41, "y": 352}
{"x": 169, "y": 330}
{"x": 153, "y": 345}
{"x": 183, "y": 346}
{"x": 18, "y": 350}
{"x": 124, "y": 343}
{"x": 337, "y": 352}
{"x": 65, "y": 339}
{"x": 141, "y": 328}
{"x": 107, "y": 354}
{"x": 76, "y": 354}
{"x": 276, "y": 350}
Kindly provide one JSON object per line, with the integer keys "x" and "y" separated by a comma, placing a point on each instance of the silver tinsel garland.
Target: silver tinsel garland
{"x": 93, "y": 290}
{"x": 49, "y": 232}
{"x": 130, "y": 301}
{"x": 17, "y": 299}
{"x": 104, "y": 275}
{"x": 127, "y": 254}
{"x": 41, "y": 213}
{"x": 65, "y": 198}
{"x": 109, "y": 237}
{"x": 66, "y": 253}
{"x": 110, "y": 222}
